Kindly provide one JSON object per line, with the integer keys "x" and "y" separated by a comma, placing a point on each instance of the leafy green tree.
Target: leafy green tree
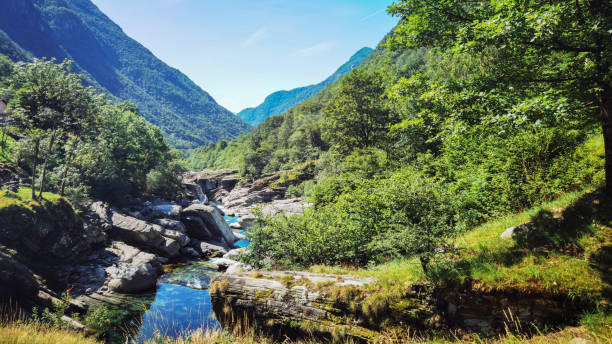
{"x": 49, "y": 102}
{"x": 558, "y": 45}
{"x": 357, "y": 117}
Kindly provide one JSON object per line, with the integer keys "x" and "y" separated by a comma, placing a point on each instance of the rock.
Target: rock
{"x": 223, "y": 263}
{"x": 16, "y": 280}
{"x": 171, "y": 211}
{"x": 52, "y": 232}
{"x": 171, "y": 224}
{"x": 190, "y": 252}
{"x": 210, "y": 184}
{"x": 207, "y": 249}
{"x": 235, "y": 225}
{"x": 134, "y": 230}
{"x": 247, "y": 221}
{"x": 235, "y": 253}
{"x": 274, "y": 305}
{"x": 136, "y": 271}
{"x": 508, "y": 233}
{"x": 169, "y": 247}
{"x": 238, "y": 268}
{"x": 181, "y": 238}
{"x": 240, "y": 236}
{"x": 213, "y": 220}
{"x": 288, "y": 207}
{"x": 196, "y": 227}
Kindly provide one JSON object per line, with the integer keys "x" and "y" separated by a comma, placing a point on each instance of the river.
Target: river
{"x": 182, "y": 301}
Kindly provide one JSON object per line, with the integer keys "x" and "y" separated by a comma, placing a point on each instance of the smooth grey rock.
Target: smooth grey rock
{"x": 171, "y": 211}
{"x": 134, "y": 230}
{"x": 181, "y": 238}
{"x": 190, "y": 252}
{"x": 174, "y": 225}
{"x": 208, "y": 250}
{"x": 196, "y": 228}
{"x": 268, "y": 302}
{"x": 235, "y": 253}
{"x": 213, "y": 220}
{"x": 240, "y": 236}
{"x": 509, "y": 233}
{"x": 235, "y": 225}
{"x": 135, "y": 272}
{"x": 223, "y": 263}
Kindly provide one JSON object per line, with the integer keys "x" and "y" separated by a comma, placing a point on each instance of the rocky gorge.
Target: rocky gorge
{"x": 104, "y": 255}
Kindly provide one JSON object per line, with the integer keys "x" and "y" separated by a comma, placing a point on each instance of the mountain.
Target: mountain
{"x": 279, "y": 102}
{"x": 118, "y": 65}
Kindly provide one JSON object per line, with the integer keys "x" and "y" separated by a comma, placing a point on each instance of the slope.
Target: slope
{"x": 281, "y": 101}
{"x": 112, "y": 61}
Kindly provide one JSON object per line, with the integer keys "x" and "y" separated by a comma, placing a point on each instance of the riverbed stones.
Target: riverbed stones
{"x": 208, "y": 249}
{"x": 235, "y": 253}
{"x": 136, "y": 271}
{"x": 167, "y": 210}
{"x": 213, "y": 220}
{"x": 171, "y": 224}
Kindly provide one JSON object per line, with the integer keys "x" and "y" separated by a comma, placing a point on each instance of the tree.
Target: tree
{"x": 50, "y": 101}
{"x": 357, "y": 116}
{"x": 564, "y": 46}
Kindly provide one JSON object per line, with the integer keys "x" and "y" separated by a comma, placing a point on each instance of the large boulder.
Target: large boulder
{"x": 16, "y": 280}
{"x": 136, "y": 271}
{"x": 294, "y": 302}
{"x": 49, "y": 230}
{"x": 196, "y": 228}
{"x": 167, "y": 210}
{"x": 213, "y": 220}
{"x": 142, "y": 233}
{"x": 171, "y": 224}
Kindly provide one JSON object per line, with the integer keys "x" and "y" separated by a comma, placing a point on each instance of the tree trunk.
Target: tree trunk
{"x": 605, "y": 104}
{"x": 65, "y": 174}
{"x": 44, "y": 170}
{"x": 36, "y": 147}
{"x": 424, "y": 263}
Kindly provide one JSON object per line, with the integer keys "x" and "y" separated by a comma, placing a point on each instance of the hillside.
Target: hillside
{"x": 281, "y": 101}
{"x": 117, "y": 64}
{"x": 283, "y": 141}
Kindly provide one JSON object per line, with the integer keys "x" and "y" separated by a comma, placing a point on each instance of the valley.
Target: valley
{"x": 452, "y": 185}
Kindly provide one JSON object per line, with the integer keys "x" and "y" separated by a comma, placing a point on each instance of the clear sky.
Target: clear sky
{"x": 242, "y": 50}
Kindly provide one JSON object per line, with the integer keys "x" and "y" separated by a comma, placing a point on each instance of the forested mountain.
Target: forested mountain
{"x": 283, "y": 141}
{"x": 117, "y": 64}
{"x": 281, "y": 101}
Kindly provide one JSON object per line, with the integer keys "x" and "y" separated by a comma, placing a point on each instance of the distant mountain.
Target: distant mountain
{"x": 279, "y": 102}
{"x": 113, "y": 62}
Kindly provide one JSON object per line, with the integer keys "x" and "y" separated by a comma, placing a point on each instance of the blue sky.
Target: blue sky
{"x": 242, "y": 50}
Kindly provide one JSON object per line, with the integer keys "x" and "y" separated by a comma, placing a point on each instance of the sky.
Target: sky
{"x": 240, "y": 51}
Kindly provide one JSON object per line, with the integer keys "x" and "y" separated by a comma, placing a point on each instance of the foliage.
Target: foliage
{"x": 357, "y": 116}
{"x": 107, "y": 322}
{"x": 87, "y": 146}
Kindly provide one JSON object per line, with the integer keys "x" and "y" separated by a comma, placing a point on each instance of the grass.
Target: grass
{"x": 24, "y": 197}
{"x": 595, "y": 329}
{"x": 31, "y": 333}
{"x": 503, "y": 263}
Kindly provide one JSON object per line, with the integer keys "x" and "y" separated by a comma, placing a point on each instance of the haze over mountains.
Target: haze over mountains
{"x": 281, "y": 101}
{"x": 117, "y": 64}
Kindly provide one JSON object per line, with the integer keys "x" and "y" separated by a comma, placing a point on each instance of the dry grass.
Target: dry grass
{"x": 30, "y": 333}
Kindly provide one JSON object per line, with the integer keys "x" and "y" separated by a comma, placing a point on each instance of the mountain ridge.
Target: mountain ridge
{"x": 279, "y": 102}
